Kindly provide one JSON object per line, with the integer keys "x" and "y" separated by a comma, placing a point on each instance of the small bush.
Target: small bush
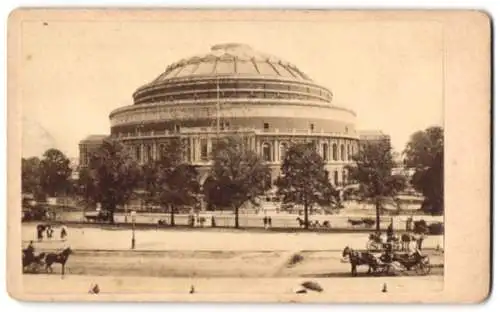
{"x": 436, "y": 228}
{"x": 296, "y": 258}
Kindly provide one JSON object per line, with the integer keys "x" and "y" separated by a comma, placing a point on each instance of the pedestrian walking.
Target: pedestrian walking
{"x": 64, "y": 232}
{"x": 49, "y": 232}
{"x": 420, "y": 241}
{"x": 39, "y": 231}
{"x": 390, "y": 232}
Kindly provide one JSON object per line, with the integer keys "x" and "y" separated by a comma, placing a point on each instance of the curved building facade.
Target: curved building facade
{"x": 267, "y": 101}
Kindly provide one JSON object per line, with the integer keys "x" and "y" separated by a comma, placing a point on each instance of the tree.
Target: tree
{"x": 170, "y": 181}
{"x": 30, "y": 177}
{"x": 55, "y": 173}
{"x": 373, "y": 171}
{"x": 304, "y": 179}
{"x": 111, "y": 177}
{"x": 425, "y": 154}
{"x": 239, "y": 173}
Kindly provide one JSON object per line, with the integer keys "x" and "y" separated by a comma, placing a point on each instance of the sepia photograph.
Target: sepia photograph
{"x": 243, "y": 156}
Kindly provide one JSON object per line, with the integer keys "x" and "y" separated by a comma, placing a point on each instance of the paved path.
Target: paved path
{"x": 120, "y": 239}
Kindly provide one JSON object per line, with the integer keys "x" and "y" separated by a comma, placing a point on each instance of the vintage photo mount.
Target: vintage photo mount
{"x": 467, "y": 132}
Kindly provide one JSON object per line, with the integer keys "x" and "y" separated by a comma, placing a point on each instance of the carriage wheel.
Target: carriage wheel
{"x": 423, "y": 268}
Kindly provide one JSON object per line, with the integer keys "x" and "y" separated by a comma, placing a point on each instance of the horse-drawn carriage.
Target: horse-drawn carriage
{"x": 42, "y": 262}
{"x": 33, "y": 263}
{"x": 387, "y": 263}
{"x": 98, "y": 216}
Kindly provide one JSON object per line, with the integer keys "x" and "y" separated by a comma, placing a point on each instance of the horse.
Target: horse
{"x": 357, "y": 258}
{"x": 368, "y": 222}
{"x": 355, "y": 222}
{"x": 162, "y": 222}
{"x": 302, "y": 222}
{"x": 60, "y": 258}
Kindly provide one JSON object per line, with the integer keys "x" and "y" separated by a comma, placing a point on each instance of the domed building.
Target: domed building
{"x": 235, "y": 90}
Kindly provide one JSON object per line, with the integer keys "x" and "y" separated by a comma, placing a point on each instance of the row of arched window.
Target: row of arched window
{"x": 336, "y": 153}
{"x": 342, "y": 152}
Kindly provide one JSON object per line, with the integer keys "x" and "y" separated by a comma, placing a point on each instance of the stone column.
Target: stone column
{"x": 276, "y": 150}
{"x": 191, "y": 150}
{"x": 209, "y": 146}
{"x": 252, "y": 143}
{"x": 196, "y": 149}
{"x": 142, "y": 153}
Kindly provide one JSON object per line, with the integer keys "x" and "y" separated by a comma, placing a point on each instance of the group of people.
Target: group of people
{"x": 49, "y": 231}
{"x": 415, "y": 245}
{"x": 267, "y": 222}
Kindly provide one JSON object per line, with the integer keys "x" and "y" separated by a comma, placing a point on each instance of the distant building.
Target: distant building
{"x": 366, "y": 136}
{"x": 234, "y": 90}
{"x": 87, "y": 146}
{"x": 74, "y": 165}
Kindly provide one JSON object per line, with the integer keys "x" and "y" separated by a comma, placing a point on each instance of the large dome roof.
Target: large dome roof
{"x": 231, "y": 59}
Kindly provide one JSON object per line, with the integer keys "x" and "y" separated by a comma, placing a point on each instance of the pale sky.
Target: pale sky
{"x": 75, "y": 73}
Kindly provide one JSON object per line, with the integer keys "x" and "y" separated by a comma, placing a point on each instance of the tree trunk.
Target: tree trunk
{"x": 236, "y": 216}
{"x": 306, "y": 216}
{"x": 110, "y": 210}
{"x": 377, "y": 212}
{"x": 172, "y": 218}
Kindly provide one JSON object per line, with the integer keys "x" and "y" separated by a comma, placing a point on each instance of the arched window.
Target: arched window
{"x": 138, "y": 153}
{"x": 352, "y": 152}
{"x": 342, "y": 152}
{"x": 159, "y": 151}
{"x": 283, "y": 149}
{"x": 149, "y": 153}
{"x": 344, "y": 177}
{"x": 348, "y": 151}
{"x": 204, "y": 149}
{"x": 266, "y": 151}
{"x": 335, "y": 155}
{"x": 325, "y": 151}
{"x": 336, "y": 177}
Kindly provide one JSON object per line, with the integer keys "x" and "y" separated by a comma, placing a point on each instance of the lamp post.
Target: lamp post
{"x": 132, "y": 215}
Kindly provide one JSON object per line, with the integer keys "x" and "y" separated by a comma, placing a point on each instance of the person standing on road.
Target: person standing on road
{"x": 420, "y": 240}
{"x": 414, "y": 251}
{"x": 39, "y": 231}
{"x": 64, "y": 232}
{"x": 50, "y": 231}
{"x": 390, "y": 232}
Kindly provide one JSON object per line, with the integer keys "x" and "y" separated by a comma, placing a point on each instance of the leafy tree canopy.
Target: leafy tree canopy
{"x": 304, "y": 179}
{"x": 425, "y": 153}
{"x": 30, "y": 177}
{"x": 55, "y": 173}
{"x": 239, "y": 173}
{"x": 111, "y": 176}
{"x": 372, "y": 169}
{"x": 170, "y": 181}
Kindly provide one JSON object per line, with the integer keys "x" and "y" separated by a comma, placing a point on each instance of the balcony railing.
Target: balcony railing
{"x": 226, "y": 130}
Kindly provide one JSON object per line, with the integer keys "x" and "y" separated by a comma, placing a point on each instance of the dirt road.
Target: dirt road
{"x": 243, "y": 264}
